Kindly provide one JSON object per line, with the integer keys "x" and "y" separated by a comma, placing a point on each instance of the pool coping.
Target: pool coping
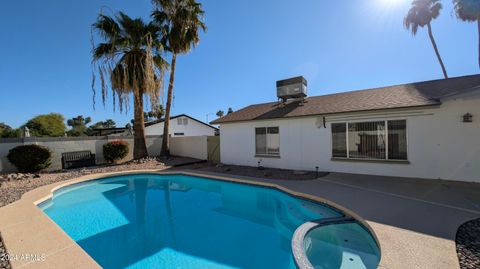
{"x": 33, "y": 240}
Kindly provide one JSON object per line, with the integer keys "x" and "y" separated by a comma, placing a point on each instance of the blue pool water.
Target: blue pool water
{"x": 346, "y": 245}
{"x": 181, "y": 222}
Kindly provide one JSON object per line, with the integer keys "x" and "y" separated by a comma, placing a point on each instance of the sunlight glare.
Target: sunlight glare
{"x": 391, "y": 3}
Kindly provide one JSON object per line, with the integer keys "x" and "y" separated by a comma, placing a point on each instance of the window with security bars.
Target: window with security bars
{"x": 267, "y": 141}
{"x": 377, "y": 140}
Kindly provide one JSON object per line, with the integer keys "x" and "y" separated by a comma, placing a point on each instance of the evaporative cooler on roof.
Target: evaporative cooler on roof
{"x": 292, "y": 88}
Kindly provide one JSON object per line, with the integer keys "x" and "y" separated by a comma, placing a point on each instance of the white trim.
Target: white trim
{"x": 266, "y": 154}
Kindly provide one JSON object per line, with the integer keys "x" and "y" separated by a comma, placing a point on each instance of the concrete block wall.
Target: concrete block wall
{"x": 59, "y": 145}
{"x": 194, "y": 147}
{"x": 189, "y": 146}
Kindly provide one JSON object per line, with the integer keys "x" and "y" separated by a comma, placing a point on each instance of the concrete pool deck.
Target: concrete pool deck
{"x": 415, "y": 221}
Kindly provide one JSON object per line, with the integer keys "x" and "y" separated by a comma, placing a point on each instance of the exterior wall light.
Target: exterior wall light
{"x": 468, "y": 117}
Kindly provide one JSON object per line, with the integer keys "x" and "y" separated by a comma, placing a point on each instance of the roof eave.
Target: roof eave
{"x": 329, "y": 114}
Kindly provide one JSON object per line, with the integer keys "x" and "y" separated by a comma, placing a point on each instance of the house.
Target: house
{"x": 424, "y": 130}
{"x": 181, "y": 125}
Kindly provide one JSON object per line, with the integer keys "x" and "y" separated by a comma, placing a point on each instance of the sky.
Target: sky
{"x": 338, "y": 46}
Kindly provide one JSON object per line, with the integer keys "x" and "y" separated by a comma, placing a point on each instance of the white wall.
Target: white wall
{"x": 192, "y": 146}
{"x": 440, "y": 145}
{"x": 193, "y": 128}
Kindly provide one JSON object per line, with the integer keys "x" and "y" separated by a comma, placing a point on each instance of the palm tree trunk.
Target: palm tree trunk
{"x": 165, "y": 142}
{"x": 434, "y": 44}
{"x": 139, "y": 145}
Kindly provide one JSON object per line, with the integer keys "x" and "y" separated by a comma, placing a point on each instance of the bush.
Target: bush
{"x": 30, "y": 158}
{"x": 115, "y": 151}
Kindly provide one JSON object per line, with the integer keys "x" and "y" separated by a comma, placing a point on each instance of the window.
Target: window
{"x": 267, "y": 141}
{"x": 378, "y": 140}
{"x": 397, "y": 140}
{"x": 339, "y": 138}
{"x": 185, "y": 121}
{"x": 179, "y": 121}
{"x": 179, "y": 134}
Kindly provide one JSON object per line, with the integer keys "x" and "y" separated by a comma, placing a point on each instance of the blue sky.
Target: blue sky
{"x": 337, "y": 45}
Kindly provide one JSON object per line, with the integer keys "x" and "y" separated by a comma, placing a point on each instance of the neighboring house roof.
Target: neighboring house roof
{"x": 150, "y": 123}
{"x": 418, "y": 94}
{"x": 107, "y": 131}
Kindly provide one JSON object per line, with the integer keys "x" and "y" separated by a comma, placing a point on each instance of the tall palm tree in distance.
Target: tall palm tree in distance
{"x": 421, "y": 14}
{"x": 128, "y": 60}
{"x": 181, "y": 22}
{"x": 469, "y": 10}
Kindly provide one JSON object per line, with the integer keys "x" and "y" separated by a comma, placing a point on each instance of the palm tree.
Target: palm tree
{"x": 469, "y": 10}
{"x": 420, "y": 14}
{"x": 129, "y": 57}
{"x": 181, "y": 22}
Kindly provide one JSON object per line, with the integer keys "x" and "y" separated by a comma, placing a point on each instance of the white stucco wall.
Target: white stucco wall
{"x": 193, "y": 128}
{"x": 440, "y": 145}
{"x": 191, "y": 146}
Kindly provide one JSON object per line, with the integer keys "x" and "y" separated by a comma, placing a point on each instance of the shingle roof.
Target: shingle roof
{"x": 418, "y": 94}
{"x": 150, "y": 123}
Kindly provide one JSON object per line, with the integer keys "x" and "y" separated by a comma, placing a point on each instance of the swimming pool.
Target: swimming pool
{"x": 182, "y": 221}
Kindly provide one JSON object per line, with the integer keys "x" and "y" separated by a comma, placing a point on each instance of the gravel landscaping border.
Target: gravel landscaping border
{"x": 4, "y": 262}
{"x": 468, "y": 244}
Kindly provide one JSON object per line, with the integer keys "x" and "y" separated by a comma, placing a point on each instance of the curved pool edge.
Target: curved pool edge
{"x": 298, "y": 239}
{"x": 45, "y": 193}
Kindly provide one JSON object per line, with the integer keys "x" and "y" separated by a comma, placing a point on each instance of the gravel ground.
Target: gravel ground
{"x": 468, "y": 244}
{"x": 4, "y": 263}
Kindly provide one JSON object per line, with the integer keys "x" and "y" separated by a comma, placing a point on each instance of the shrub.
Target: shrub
{"x": 115, "y": 151}
{"x": 30, "y": 158}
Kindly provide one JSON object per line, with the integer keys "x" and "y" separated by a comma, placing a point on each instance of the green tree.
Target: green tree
{"x": 220, "y": 113}
{"x": 154, "y": 114}
{"x": 181, "y": 21}
{"x": 52, "y": 124}
{"x": 421, "y": 14}
{"x": 101, "y": 125}
{"x": 469, "y": 11}
{"x": 79, "y": 125}
{"x": 230, "y": 110}
{"x": 8, "y": 132}
{"x": 4, "y": 128}
{"x": 129, "y": 57}
{"x": 109, "y": 123}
